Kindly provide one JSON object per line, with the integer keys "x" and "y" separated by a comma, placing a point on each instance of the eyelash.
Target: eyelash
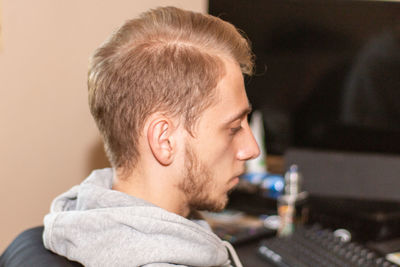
{"x": 235, "y": 130}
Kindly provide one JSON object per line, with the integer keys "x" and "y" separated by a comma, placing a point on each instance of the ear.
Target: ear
{"x": 160, "y": 140}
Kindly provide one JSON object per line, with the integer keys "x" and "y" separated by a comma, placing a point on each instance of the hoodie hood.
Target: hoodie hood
{"x": 98, "y": 226}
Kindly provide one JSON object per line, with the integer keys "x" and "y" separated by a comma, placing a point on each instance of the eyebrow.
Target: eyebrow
{"x": 240, "y": 115}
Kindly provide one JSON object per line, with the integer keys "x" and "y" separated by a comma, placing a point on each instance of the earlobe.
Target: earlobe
{"x": 160, "y": 139}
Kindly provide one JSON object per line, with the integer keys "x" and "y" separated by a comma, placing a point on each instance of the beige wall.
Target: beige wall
{"x": 48, "y": 141}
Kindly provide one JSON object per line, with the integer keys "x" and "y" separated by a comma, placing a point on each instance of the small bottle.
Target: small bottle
{"x": 287, "y": 201}
{"x": 293, "y": 181}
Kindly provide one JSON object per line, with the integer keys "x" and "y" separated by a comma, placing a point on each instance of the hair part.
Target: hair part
{"x": 168, "y": 60}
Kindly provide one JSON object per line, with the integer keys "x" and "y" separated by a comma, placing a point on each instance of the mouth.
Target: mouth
{"x": 233, "y": 182}
{"x": 239, "y": 174}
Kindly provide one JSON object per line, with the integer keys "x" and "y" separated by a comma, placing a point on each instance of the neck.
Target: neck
{"x": 160, "y": 190}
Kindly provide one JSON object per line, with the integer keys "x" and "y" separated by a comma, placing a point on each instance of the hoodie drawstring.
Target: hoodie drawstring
{"x": 233, "y": 254}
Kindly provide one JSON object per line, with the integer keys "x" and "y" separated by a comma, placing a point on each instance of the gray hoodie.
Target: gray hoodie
{"x": 98, "y": 226}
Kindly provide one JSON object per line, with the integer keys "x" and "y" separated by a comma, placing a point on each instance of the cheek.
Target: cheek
{"x": 229, "y": 150}
{"x": 218, "y": 152}
{"x": 223, "y": 160}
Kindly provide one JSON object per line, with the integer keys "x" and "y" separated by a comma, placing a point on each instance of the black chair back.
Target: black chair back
{"x": 27, "y": 249}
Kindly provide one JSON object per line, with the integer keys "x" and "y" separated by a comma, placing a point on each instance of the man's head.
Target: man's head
{"x": 215, "y": 156}
{"x": 169, "y": 61}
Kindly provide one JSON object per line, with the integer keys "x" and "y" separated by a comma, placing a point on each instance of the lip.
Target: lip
{"x": 239, "y": 174}
{"x": 235, "y": 180}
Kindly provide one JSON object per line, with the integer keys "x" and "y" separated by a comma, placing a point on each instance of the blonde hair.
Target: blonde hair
{"x": 167, "y": 60}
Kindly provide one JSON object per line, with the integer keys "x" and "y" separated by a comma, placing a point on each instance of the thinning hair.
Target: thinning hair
{"x": 168, "y": 60}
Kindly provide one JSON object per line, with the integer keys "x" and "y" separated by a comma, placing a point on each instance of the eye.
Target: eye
{"x": 235, "y": 130}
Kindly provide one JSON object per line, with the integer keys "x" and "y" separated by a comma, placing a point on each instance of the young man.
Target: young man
{"x": 167, "y": 93}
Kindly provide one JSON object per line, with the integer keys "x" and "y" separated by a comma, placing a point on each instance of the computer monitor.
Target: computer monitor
{"x": 327, "y": 81}
{"x": 327, "y": 72}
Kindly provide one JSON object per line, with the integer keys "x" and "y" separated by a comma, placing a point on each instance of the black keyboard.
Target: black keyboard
{"x": 313, "y": 247}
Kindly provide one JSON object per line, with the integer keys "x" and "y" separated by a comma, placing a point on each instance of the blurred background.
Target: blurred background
{"x": 48, "y": 140}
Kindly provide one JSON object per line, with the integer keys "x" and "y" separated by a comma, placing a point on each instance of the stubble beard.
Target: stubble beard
{"x": 198, "y": 184}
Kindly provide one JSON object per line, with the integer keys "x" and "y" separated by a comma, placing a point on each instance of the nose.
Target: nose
{"x": 248, "y": 146}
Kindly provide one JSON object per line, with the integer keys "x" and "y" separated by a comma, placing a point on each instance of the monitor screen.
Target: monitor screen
{"x": 327, "y": 72}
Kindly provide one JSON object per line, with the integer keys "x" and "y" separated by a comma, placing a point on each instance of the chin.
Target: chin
{"x": 221, "y": 204}
{"x": 213, "y": 205}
